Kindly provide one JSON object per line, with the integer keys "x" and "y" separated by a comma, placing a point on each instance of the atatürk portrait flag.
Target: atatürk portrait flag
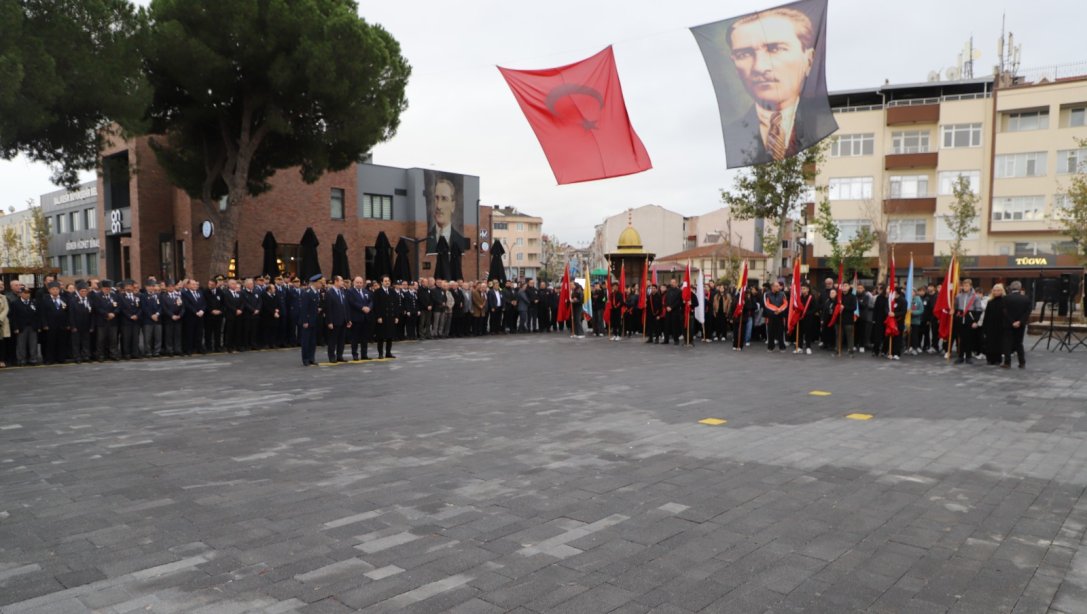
{"x": 580, "y": 118}
{"x": 768, "y": 71}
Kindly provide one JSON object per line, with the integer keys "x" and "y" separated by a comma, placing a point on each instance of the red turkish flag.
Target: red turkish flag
{"x": 579, "y": 116}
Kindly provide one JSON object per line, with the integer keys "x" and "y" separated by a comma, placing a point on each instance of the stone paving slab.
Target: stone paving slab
{"x": 542, "y": 474}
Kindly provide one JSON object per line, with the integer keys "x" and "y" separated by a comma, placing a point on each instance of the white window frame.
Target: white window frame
{"x": 1024, "y": 121}
{"x": 950, "y": 132}
{"x": 1018, "y": 209}
{"x": 912, "y": 230}
{"x": 853, "y": 145}
{"x": 1069, "y": 161}
{"x": 1077, "y": 117}
{"x": 377, "y": 207}
{"x": 847, "y": 229}
{"x": 909, "y": 186}
{"x": 911, "y": 141}
{"x": 943, "y": 233}
{"x": 1018, "y": 165}
{"x": 945, "y": 181}
{"x": 849, "y": 188}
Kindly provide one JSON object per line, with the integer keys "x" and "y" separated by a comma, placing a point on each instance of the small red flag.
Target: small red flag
{"x": 687, "y": 297}
{"x": 795, "y": 308}
{"x": 580, "y": 118}
{"x": 741, "y": 293}
{"x": 642, "y": 288}
{"x": 564, "y": 297}
{"x": 838, "y": 302}
{"x": 890, "y": 326}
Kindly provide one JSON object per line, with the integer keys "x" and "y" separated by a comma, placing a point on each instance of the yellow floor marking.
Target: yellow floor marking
{"x": 859, "y": 416}
{"x": 713, "y": 421}
{"x": 819, "y": 393}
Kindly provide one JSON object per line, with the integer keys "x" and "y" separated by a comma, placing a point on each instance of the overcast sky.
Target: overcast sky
{"x": 462, "y": 117}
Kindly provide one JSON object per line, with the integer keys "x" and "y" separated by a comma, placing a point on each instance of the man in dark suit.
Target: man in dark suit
{"x": 442, "y": 204}
{"x": 386, "y": 316}
{"x": 336, "y": 319}
{"x": 250, "y": 318}
{"x": 54, "y": 323}
{"x": 80, "y": 323}
{"x": 129, "y": 304}
{"x": 24, "y": 319}
{"x": 495, "y": 307}
{"x": 233, "y": 308}
{"x": 360, "y": 303}
{"x": 213, "y": 319}
{"x": 308, "y": 303}
{"x": 105, "y": 309}
{"x": 195, "y": 310}
{"x": 1017, "y": 306}
{"x": 271, "y": 311}
{"x": 773, "y": 53}
{"x": 151, "y": 319}
{"x": 173, "y": 311}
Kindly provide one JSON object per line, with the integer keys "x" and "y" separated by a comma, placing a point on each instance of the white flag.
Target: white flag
{"x": 700, "y": 311}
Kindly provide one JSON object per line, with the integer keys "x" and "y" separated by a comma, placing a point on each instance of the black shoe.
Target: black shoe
{"x": 1022, "y": 365}
{"x": 389, "y": 356}
{"x": 365, "y": 358}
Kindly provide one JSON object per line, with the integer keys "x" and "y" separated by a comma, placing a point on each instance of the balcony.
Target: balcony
{"x": 925, "y": 111}
{"x": 903, "y": 251}
{"x": 909, "y": 206}
{"x": 900, "y": 161}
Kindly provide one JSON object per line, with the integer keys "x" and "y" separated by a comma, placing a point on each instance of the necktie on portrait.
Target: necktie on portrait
{"x": 775, "y": 138}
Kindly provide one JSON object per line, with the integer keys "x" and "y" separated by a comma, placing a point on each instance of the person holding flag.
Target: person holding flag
{"x": 945, "y": 305}
{"x": 577, "y": 298}
{"x": 796, "y": 308}
{"x": 742, "y": 336}
{"x": 688, "y": 295}
{"x": 643, "y": 295}
{"x": 654, "y": 314}
{"x": 617, "y": 304}
{"x": 564, "y": 299}
{"x": 775, "y": 305}
{"x": 700, "y": 306}
{"x": 833, "y": 307}
{"x": 673, "y": 308}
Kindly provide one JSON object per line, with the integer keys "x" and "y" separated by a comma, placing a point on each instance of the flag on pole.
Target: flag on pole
{"x": 655, "y": 278}
{"x": 700, "y": 310}
{"x": 890, "y": 326}
{"x": 587, "y": 300}
{"x": 607, "y": 298}
{"x": 909, "y": 293}
{"x": 580, "y": 118}
{"x": 794, "y": 298}
{"x": 945, "y": 302}
{"x": 741, "y": 292}
{"x": 687, "y": 298}
{"x": 642, "y": 288}
{"x": 838, "y": 299}
{"x": 564, "y": 297}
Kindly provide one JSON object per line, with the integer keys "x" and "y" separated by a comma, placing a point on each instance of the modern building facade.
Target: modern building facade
{"x": 521, "y": 236}
{"x": 72, "y": 216}
{"x": 899, "y": 149}
{"x": 149, "y": 227}
{"x": 17, "y": 240}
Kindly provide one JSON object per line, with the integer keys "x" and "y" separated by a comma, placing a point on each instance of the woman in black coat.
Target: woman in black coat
{"x": 387, "y": 314}
{"x": 994, "y": 326}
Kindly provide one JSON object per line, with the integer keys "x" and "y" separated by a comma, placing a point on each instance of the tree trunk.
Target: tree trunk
{"x": 222, "y": 246}
{"x": 777, "y": 246}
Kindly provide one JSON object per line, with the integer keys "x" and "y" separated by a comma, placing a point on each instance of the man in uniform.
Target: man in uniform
{"x": 53, "y": 314}
{"x": 308, "y": 304}
{"x": 80, "y": 323}
{"x": 173, "y": 310}
{"x": 105, "y": 309}
{"x": 129, "y": 302}
{"x": 359, "y": 302}
{"x": 151, "y": 319}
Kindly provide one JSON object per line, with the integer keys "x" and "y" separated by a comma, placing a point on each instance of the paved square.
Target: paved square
{"x": 542, "y": 474}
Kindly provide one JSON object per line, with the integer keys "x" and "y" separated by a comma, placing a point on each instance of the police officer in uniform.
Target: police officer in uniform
{"x": 105, "y": 308}
{"x": 308, "y": 303}
{"x": 80, "y": 322}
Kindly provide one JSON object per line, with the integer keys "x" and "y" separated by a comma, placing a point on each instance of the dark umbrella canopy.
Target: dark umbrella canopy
{"x": 383, "y": 258}
{"x": 455, "y": 253}
{"x": 310, "y": 265}
{"x": 270, "y": 266}
{"x": 497, "y": 271}
{"x": 441, "y": 266}
{"x": 402, "y": 266}
{"x": 340, "y": 266}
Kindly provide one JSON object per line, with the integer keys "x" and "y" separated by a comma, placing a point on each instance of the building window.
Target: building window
{"x": 1077, "y": 117}
{"x": 784, "y": 244}
{"x": 92, "y": 264}
{"x": 943, "y": 233}
{"x": 77, "y": 264}
{"x": 520, "y": 256}
{"x": 849, "y": 188}
{"x": 520, "y": 226}
{"x": 947, "y": 181}
{"x": 1021, "y": 165}
{"x": 501, "y": 226}
{"x": 848, "y": 145}
{"x": 1027, "y": 120}
{"x": 1070, "y": 160}
{"x": 336, "y": 200}
{"x": 848, "y": 229}
{"x": 62, "y": 224}
{"x": 1026, "y": 249}
{"x": 906, "y": 231}
{"x": 1018, "y": 208}
{"x": 519, "y": 241}
{"x": 961, "y": 135}
{"x": 910, "y": 141}
{"x": 73, "y": 221}
{"x": 62, "y": 264}
{"x": 377, "y": 207}
{"x": 909, "y": 186}
{"x": 90, "y": 220}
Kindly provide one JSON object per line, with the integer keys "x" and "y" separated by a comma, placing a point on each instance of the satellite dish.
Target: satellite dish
{"x": 933, "y": 76}
{"x": 484, "y": 246}
{"x": 952, "y": 73}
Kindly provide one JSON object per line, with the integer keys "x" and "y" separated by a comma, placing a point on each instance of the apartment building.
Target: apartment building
{"x": 72, "y": 216}
{"x": 900, "y": 148}
{"x": 521, "y": 236}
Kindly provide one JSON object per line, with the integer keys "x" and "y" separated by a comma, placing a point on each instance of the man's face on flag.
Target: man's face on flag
{"x": 444, "y": 203}
{"x": 770, "y": 58}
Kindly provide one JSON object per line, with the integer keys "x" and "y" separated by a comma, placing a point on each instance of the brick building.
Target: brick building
{"x": 149, "y": 227}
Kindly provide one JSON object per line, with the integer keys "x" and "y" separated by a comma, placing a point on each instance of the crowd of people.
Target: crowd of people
{"x": 99, "y": 320}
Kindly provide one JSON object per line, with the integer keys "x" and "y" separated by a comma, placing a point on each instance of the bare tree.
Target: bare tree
{"x": 962, "y": 220}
